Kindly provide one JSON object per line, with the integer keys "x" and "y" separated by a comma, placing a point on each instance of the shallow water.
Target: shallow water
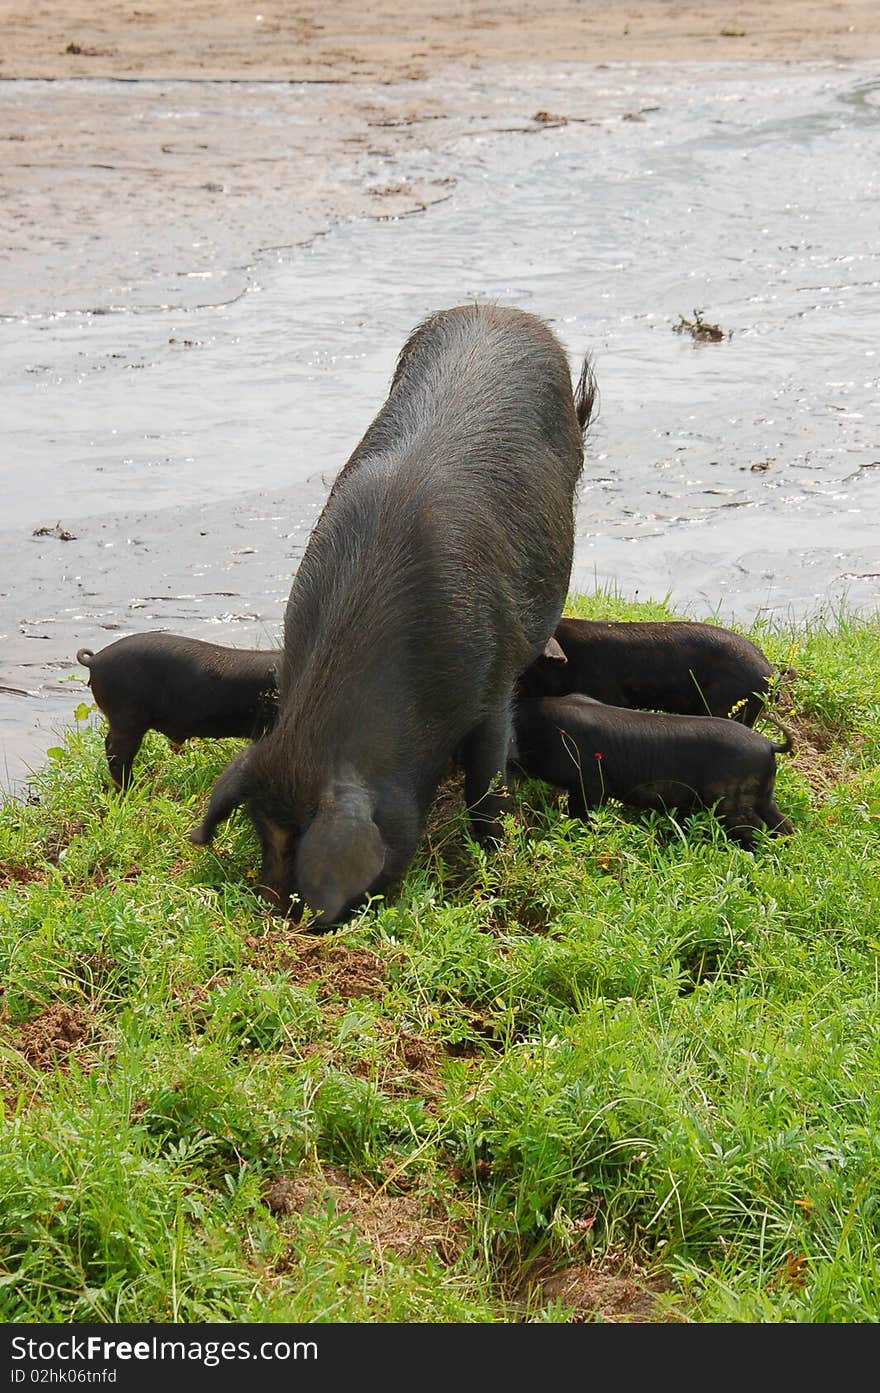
{"x": 188, "y": 449}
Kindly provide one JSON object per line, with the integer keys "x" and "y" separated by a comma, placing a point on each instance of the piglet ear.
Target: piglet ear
{"x": 230, "y": 790}
{"x": 553, "y": 651}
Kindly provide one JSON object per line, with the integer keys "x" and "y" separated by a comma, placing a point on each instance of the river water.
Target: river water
{"x": 163, "y": 463}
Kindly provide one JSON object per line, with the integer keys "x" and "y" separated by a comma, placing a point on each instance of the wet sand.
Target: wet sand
{"x": 159, "y": 163}
{"x": 386, "y": 40}
{"x": 125, "y": 194}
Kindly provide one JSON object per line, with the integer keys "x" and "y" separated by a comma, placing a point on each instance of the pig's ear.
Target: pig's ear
{"x": 230, "y": 790}
{"x": 553, "y": 651}
{"x": 340, "y": 858}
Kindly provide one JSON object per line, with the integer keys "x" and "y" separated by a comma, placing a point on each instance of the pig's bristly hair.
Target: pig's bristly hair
{"x": 438, "y": 567}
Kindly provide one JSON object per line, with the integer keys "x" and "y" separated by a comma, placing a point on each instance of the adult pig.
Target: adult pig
{"x": 651, "y": 760}
{"x": 180, "y": 686}
{"x": 434, "y": 576}
{"x": 686, "y": 667}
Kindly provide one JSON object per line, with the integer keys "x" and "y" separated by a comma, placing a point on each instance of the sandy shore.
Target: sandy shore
{"x": 98, "y": 174}
{"x": 389, "y": 40}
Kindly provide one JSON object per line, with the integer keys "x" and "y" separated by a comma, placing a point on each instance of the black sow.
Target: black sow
{"x": 434, "y": 576}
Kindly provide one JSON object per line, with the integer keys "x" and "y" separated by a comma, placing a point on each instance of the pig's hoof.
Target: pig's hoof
{"x": 198, "y": 836}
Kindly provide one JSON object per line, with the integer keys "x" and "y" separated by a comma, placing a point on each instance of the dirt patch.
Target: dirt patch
{"x": 817, "y": 754}
{"x": 110, "y": 875}
{"x": 405, "y": 1226}
{"x": 11, "y": 874}
{"x": 47, "y": 1038}
{"x": 42, "y": 857}
{"x": 59, "y": 840}
{"x": 613, "y": 1289}
{"x": 412, "y": 1225}
{"x": 339, "y": 970}
{"x": 418, "y": 1056}
{"x": 403, "y": 1065}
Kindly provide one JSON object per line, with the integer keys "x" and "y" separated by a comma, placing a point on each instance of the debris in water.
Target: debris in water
{"x": 699, "y": 329}
{"x": 57, "y": 531}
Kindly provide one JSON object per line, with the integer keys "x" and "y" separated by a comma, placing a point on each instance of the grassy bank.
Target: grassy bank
{"x": 621, "y": 1071}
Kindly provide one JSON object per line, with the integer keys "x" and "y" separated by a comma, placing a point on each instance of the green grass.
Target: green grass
{"x": 624, "y": 1058}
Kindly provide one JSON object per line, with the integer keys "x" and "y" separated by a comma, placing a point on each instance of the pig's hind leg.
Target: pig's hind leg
{"x": 756, "y": 808}
{"x": 121, "y": 747}
{"x": 743, "y": 820}
{"x": 740, "y": 821}
{"x": 778, "y": 825}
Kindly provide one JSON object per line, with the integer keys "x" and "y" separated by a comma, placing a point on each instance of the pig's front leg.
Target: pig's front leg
{"x": 484, "y": 758}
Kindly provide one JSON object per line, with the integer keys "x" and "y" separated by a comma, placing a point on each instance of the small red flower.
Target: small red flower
{"x": 598, "y": 754}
